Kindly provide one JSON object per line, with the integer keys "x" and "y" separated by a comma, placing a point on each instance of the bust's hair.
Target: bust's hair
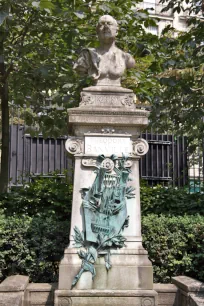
{"x": 105, "y": 16}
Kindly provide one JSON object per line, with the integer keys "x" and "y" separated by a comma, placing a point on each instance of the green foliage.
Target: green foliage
{"x": 34, "y": 228}
{"x": 35, "y": 222}
{"x": 32, "y": 246}
{"x": 44, "y": 195}
{"x": 42, "y": 40}
{"x": 172, "y": 228}
{"x": 178, "y": 106}
{"x": 170, "y": 201}
{"x": 175, "y": 245}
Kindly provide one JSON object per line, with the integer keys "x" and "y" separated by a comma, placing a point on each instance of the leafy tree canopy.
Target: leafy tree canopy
{"x": 39, "y": 42}
{"x": 42, "y": 39}
{"x": 178, "y": 106}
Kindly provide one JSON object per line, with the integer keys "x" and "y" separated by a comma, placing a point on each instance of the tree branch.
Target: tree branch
{"x": 7, "y": 73}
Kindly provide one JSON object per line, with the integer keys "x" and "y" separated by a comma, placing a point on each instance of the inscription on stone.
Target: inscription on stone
{"x": 89, "y": 98}
{"x": 107, "y": 145}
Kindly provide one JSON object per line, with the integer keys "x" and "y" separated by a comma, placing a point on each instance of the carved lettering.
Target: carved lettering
{"x": 107, "y": 145}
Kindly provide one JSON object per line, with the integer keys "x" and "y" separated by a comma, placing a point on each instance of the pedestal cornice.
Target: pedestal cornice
{"x": 83, "y": 120}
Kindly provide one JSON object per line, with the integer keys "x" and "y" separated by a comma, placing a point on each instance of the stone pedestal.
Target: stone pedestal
{"x": 107, "y": 123}
{"x": 105, "y": 297}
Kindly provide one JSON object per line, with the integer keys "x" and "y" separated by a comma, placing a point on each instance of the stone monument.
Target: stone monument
{"x": 105, "y": 263}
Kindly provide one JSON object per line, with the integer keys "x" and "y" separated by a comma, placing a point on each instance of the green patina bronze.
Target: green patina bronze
{"x": 105, "y": 213}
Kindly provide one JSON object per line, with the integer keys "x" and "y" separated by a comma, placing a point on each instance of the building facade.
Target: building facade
{"x": 178, "y": 21}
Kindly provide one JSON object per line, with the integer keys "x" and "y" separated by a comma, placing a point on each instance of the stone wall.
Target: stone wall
{"x": 167, "y": 294}
{"x": 40, "y": 294}
{"x": 190, "y": 291}
{"x": 12, "y": 290}
{"x": 16, "y": 291}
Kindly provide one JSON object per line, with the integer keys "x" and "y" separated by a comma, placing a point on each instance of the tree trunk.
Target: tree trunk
{"x": 4, "y": 174}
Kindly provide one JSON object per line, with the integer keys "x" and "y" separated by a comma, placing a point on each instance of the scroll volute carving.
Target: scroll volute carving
{"x": 140, "y": 147}
{"x": 74, "y": 146}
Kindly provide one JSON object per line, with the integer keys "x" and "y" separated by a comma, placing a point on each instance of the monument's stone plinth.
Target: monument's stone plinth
{"x": 105, "y": 263}
{"x": 107, "y": 131}
{"x": 107, "y": 110}
{"x": 105, "y": 297}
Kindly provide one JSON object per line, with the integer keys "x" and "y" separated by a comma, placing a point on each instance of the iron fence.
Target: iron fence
{"x": 166, "y": 162}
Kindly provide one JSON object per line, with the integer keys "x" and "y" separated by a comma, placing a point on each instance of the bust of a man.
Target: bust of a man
{"x": 107, "y": 63}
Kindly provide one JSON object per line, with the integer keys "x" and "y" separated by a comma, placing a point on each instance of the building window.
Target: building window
{"x": 150, "y": 5}
{"x": 152, "y": 30}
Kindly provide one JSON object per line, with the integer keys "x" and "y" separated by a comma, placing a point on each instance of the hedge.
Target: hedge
{"x": 170, "y": 201}
{"x": 34, "y": 228}
{"x": 175, "y": 245}
{"x": 32, "y": 246}
{"x": 35, "y": 221}
{"x": 44, "y": 195}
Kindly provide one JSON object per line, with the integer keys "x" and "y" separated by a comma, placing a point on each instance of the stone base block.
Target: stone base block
{"x": 130, "y": 271}
{"x": 12, "y": 290}
{"x": 40, "y": 294}
{"x": 105, "y": 298}
{"x": 11, "y": 298}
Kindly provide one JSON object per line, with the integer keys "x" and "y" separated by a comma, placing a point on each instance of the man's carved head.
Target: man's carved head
{"x": 107, "y": 28}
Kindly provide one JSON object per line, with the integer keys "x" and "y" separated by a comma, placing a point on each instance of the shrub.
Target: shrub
{"x": 175, "y": 245}
{"x": 32, "y": 246}
{"x": 171, "y": 201}
{"x": 44, "y": 195}
{"x": 35, "y": 221}
{"x": 34, "y": 228}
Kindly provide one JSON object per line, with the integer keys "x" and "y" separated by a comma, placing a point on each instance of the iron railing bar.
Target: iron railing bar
{"x": 141, "y": 162}
{"x": 162, "y": 157}
{"x": 31, "y": 158}
{"x": 23, "y": 157}
{"x": 203, "y": 159}
{"x": 147, "y": 157}
{"x": 173, "y": 161}
{"x": 157, "y": 155}
{"x": 183, "y": 161}
{"x": 152, "y": 156}
{"x": 55, "y": 156}
{"x": 10, "y": 150}
{"x": 17, "y": 150}
{"x": 49, "y": 154}
{"x": 168, "y": 157}
{"x": 164, "y": 142}
{"x": 43, "y": 155}
{"x": 199, "y": 166}
{"x": 159, "y": 178}
{"x": 37, "y": 145}
{"x": 194, "y": 188}
{"x": 178, "y": 162}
